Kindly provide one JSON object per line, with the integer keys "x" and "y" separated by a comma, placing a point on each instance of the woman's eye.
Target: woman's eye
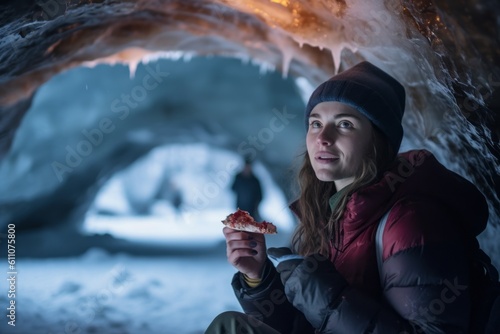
{"x": 315, "y": 124}
{"x": 345, "y": 124}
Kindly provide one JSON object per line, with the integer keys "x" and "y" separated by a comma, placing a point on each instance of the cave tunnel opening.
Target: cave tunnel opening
{"x": 89, "y": 124}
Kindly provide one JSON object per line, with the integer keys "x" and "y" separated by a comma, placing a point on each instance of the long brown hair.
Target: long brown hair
{"x": 319, "y": 226}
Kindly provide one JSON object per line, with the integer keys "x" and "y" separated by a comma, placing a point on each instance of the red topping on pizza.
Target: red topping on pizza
{"x": 242, "y": 221}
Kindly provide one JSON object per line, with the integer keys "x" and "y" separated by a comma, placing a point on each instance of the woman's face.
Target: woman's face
{"x": 337, "y": 139}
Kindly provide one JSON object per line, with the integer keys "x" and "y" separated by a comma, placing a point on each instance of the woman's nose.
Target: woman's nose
{"x": 326, "y": 137}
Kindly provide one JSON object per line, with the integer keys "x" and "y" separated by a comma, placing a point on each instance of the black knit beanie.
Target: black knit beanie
{"x": 372, "y": 92}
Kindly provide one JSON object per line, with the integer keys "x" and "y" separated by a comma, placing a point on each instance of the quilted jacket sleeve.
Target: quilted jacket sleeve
{"x": 268, "y": 303}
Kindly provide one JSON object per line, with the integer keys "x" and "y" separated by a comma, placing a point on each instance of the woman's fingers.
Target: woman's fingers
{"x": 246, "y": 251}
{"x": 234, "y": 256}
{"x": 250, "y": 246}
{"x": 232, "y": 234}
{"x": 251, "y": 242}
{"x": 247, "y": 261}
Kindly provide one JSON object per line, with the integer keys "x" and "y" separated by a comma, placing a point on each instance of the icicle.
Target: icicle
{"x": 305, "y": 88}
{"x": 132, "y": 67}
{"x": 287, "y": 59}
{"x": 336, "y": 54}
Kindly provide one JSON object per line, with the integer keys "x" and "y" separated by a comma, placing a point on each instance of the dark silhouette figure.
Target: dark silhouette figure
{"x": 248, "y": 191}
{"x": 176, "y": 199}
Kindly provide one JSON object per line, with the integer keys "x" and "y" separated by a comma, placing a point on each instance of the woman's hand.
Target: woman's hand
{"x": 246, "y": 251}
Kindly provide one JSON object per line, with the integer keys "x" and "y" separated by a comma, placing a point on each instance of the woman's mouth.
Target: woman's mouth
{"x": 325, "y": 157}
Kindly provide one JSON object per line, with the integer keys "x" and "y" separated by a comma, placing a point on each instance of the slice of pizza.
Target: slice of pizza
{"x": 242, "y": 221}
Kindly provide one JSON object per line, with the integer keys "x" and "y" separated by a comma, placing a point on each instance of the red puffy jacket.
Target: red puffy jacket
{"x": 430, "y": 233}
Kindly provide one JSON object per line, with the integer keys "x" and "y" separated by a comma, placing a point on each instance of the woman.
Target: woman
{"x": 351, "y": 177}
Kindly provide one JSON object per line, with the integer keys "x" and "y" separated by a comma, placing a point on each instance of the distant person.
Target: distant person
{"x": 248, "y": 191}
{"x": 176, "y": 199}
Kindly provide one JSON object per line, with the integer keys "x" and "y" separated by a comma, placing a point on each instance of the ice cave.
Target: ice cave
{"x": 110, "y": 109}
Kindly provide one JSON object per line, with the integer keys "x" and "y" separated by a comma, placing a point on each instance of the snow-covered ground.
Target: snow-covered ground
{"x": 103, "y": 293}
{"x": 99, "y": 292}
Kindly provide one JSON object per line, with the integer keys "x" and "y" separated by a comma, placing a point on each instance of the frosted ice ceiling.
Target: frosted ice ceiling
{"x": 446, "y": 52}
